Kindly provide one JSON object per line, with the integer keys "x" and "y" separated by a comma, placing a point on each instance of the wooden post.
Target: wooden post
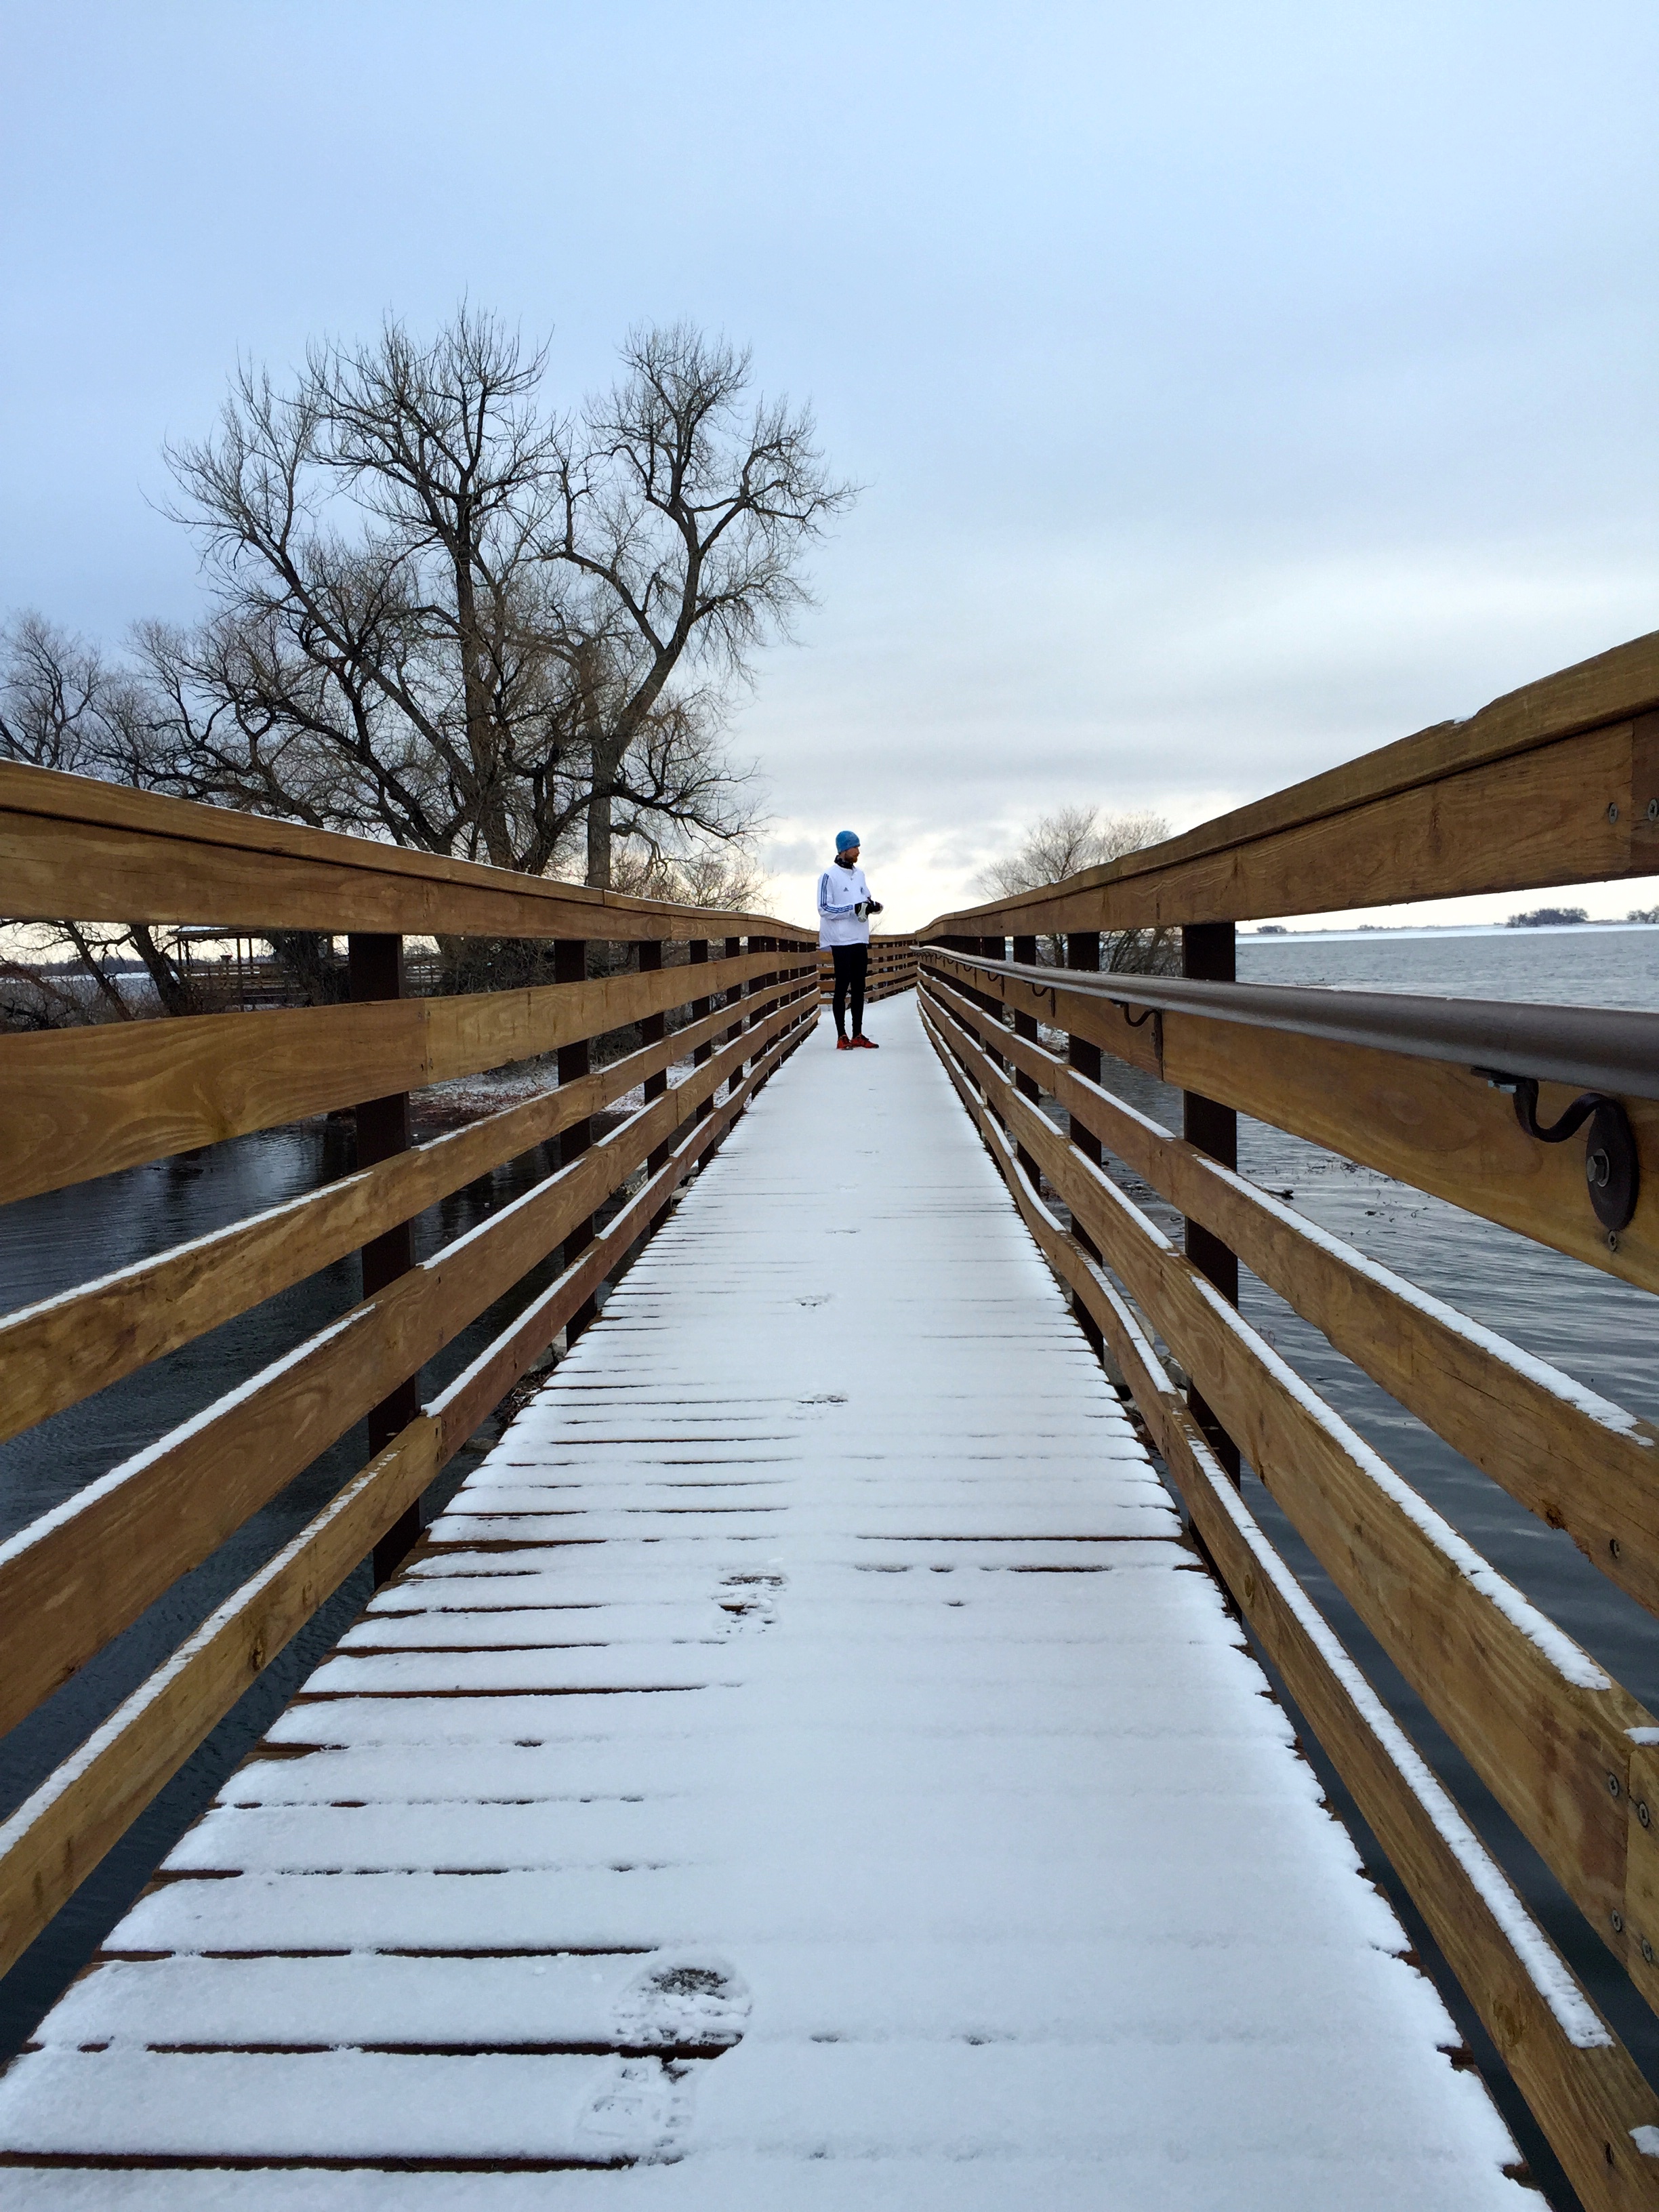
{"x": 1025, "y": 1025}
{"x": 1083, "y": 951}
{"x": 1209, "y": 953}
{"x": 575, "y": 1062}
{"x": 374, "y": 965}
{"x": 700, "y": 1009}
{"x": 734, "y": 996}
{"x": 993, "y": 948}
{"x": 653, "y": 1028}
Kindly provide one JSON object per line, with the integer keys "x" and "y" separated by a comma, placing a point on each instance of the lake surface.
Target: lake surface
{"x": 1595, "y": 1328}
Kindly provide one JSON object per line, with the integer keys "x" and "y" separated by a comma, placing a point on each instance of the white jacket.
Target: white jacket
{"x": 841, "y": 890}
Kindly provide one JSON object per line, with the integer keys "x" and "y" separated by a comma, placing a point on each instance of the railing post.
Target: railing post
{"x": 575, "y": 1062}
{"x": 734, "y": 996}
{"x": 700, "y": 1008}
{"x": 653, "y": 1028}
{"x": 993, "y": 948}
{"x": 1025, "y": 1025}
{"x": 1209, "y": 953}
{"x": 1083, "y": 951}
{"x": 374, "y": 967}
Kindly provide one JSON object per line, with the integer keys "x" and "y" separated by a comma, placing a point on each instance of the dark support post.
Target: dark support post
{"x": 570, "y": 966}
{"x": 1209, "y": 953}
{"x": 734, "y": 996}
{"x": 700, "y": 1008}
{"x": 1083, "y": 951}
{"x": 1025, "y": 1025}
{"x": 375, "y": 970}
{"x": 993, "y": 948}
{"x": 653, "y": 1028}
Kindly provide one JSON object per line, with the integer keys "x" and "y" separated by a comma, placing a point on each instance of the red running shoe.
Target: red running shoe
{"x": 842, "y": 1044}
{"x": 865, "y": 1045}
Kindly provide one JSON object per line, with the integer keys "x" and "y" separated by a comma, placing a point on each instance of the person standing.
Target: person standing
{"x": 845, "y": 907}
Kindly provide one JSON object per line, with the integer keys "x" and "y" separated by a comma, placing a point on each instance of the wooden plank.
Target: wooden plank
{"x": 1580, "y": 2081}
{"x": 84, "y": 1102}
{"x": 1430, "y": 1124}
{"x": 74, "y": 1579}
{"x": 54, "y": 1354}
{"x": 481, "y": 1387}
{"x": 1544, "y": 1728}
{"x": 66, "y": 840}
{"x": 55, "y": 1839}
{"x": 1573, "y": 812}
{"x": 59, "y": 1834}
{"x": 1619, "y": 688}
{"x": 1579, "y": 1461}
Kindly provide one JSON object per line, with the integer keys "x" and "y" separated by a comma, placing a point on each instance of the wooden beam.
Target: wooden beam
{"x": 1546, "y": 1729}
{"x": 1577, "y": 1459}
{"x": 1427, "y": 1122}
{"x": 97, "y": 852}
{"x": 1581, "y": 2083}
{"x": 84, "y": 1102}
{"x": 59, "y": 1352}
{"x": 52, "y": 1842}
{"x": 55, "y": 1839}
{"x": 1404, "y": 820}
{"x": 72, "y": 1580}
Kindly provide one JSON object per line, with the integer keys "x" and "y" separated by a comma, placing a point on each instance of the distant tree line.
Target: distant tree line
{"x": 444, "y": 614}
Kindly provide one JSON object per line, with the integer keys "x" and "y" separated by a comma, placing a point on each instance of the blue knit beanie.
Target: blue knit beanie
{"x": 846, "y": 840}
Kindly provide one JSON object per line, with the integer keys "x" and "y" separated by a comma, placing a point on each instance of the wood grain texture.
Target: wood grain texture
{"x": 54, "y": 1354}
{"x": 66, "y": 841}
{"x": 1545, "y": 1730}
{"x": 54, "y": 1840}
{"x": 1594, "y": 1473}
{"x": 1616, "y": 690}
{"x": 1426, "y": 1122}
{"x": 82, "y": 1103}
{"x": 78, "y": 1576}
{"x": 1588, "y": 2097}
{"x": 58, "y": 1835}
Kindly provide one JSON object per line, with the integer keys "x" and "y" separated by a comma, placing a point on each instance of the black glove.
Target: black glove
{"x": 874, "y": 906}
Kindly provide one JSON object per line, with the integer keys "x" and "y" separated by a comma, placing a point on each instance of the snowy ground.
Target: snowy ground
{"x": 804, "y": 1770}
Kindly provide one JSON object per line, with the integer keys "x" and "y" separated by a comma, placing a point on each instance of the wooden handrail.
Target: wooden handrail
{"x": 1550, "y": 784}
{"x": 94, "y": 852}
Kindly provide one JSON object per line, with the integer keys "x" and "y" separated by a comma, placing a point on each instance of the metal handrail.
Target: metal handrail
{"x": 1611, "y": 1049}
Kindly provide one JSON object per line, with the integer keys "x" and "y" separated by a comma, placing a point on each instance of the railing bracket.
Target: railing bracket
{"x": 1611, "y": 1167}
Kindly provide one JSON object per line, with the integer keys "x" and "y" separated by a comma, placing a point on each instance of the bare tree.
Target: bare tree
{"x": 61, "y": 706}
{"x": 443, "y": 618}
{"x": 1065, "y": 843}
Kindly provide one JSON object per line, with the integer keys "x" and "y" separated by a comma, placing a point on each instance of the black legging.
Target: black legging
{"x": 852, "y": 964}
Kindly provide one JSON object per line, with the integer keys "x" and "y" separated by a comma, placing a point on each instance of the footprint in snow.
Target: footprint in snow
{"x": 674, "y": 2017}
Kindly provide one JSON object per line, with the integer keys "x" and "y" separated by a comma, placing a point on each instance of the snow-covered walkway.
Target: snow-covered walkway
{"x": 805, "y": 1770}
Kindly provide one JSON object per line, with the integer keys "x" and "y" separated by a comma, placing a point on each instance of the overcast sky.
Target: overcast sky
{"x": 1235, "y": 387}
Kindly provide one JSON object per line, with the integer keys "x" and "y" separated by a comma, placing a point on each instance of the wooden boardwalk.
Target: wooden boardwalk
{"x": 803, "y": 1767}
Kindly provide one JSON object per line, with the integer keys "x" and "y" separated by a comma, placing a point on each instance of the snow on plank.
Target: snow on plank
{"x": 804, "y": 1767}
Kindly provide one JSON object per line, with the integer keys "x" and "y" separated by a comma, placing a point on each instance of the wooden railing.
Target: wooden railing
{"x": 86, "y": 1103}
{"x": 892, "y": 969}
{"x": 1556, "y": 784}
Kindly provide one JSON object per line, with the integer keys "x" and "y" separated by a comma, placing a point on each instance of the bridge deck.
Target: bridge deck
{"x": 805, "y": 1761}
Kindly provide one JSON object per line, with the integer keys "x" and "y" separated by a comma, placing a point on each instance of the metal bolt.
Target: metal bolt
{"x": 1612, "y": 1785}
{"x": 1612, "y": 1240}
{"x": 1613, "y": 812}
{"x": 1598, "y": 1167}
{"x": 1647, "y": 1950}
{"x": 1617, "y": 1923}
{"x": 1615, "y": 1546}
{"x": 1653, "y": 810}
{"x": 1643, "y": 1814}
